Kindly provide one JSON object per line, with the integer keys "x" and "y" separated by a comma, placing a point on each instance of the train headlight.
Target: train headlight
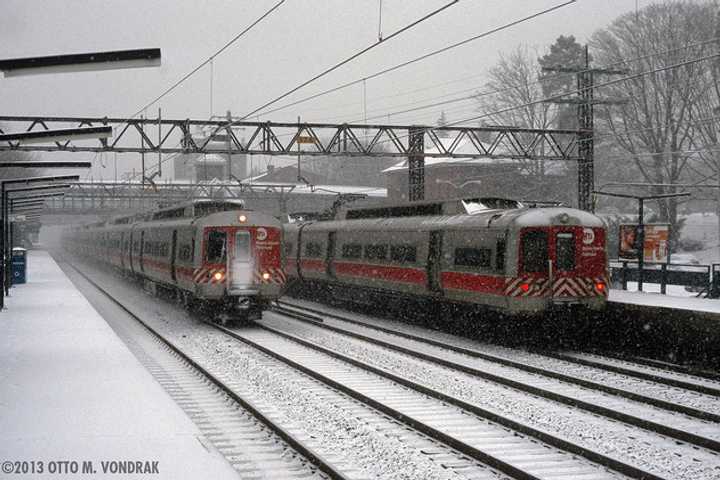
{"x": 266, "y": 276}
{"x": 218, "y": 276}
{"x": 242, "y": 219}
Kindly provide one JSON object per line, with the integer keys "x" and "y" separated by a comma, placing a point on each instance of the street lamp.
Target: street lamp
{"x": 79, "y": 62}
{"x": 33, "y": 164}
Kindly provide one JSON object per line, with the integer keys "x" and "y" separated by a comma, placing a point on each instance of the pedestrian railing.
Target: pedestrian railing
{"x": 703, "y": 278}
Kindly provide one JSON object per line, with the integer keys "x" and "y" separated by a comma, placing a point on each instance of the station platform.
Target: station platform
{"x": 651, "y": 299}
{"x": 70, "y": 390}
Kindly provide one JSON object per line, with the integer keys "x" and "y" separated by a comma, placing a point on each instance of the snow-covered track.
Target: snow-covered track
{"x": 620, "y": 410}
{"x": 447, "y": 463}
{"x": 511, "y": 447}
{"x": 233, "y": 424}
{"x": 654, "y": 373}
{"x": 706, "y": 389}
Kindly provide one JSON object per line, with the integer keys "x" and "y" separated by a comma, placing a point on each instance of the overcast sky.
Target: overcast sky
{"x": 298, "y": 40}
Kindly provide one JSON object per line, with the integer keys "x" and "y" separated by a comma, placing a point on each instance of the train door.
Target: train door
{"x": 142, "y": 250}
{"x": 434, "y": 261}
{"x": 330, "y": 267}
{"x": 173, "y": 256}
{"x": 241, "y": 264}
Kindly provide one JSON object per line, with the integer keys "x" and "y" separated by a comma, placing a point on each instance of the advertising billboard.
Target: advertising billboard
{"x": 656, "y": 243}
{"x": 655, "y": 248}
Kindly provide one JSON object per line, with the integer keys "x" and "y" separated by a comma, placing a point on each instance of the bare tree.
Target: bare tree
{"x": 654, "y": 128}
{"x": 516, "y": 78}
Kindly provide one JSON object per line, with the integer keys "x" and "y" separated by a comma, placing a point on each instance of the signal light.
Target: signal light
{"x": 218, "y": 276}
{"x": 600, "y": 286}
{"x": 525, "y": 287}
{"x": 266, "y": 276}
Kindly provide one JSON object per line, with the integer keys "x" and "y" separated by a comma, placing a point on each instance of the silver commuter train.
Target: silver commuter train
{"x": 215, "y": 252}
{"x": 488, "y": 252}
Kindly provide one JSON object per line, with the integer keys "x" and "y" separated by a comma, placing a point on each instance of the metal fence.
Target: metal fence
{"x": 705, "y": 279}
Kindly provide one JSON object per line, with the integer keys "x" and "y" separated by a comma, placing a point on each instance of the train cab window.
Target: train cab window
{"x": 473, "y": 257}
{"x": 376, "y": 252}
{"x": 216, "y": 247}
{"x": 403, "y": 253}
{"x": 242, "y": 246}
{"x": 535, "y": 252}
{"x": 351, "y": 250}
{"x": 313, "y": 249}
{"x": 565, "y": 251}
{"x": 500, "y": 247}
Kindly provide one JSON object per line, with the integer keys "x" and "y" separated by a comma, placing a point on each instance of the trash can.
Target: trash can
{"x": 19, "y": 265}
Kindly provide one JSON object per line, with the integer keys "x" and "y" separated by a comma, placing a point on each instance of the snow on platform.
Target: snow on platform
{"x": 70, "y": 390}
{"x": 705, "y": 305}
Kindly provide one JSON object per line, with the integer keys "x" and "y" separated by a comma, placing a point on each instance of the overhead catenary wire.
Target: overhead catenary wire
{"x": 420, "y": 58}
{"x": 351, "y": 58}
{"x": 614, "y": 81}
{"x": 594, "y": 87}
{"x": 211, "y": 57}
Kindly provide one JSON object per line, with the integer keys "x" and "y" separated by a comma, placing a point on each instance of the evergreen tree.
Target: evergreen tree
{"x": 565, "y": 52}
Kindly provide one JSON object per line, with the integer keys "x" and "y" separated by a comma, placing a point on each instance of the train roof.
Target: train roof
{"x": 468, "y": 206}
{"x": 460, "y": 213}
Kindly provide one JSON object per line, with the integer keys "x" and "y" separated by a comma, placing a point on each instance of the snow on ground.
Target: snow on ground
{"x": 686, "y": 302}
{"x": 71, "y": 390}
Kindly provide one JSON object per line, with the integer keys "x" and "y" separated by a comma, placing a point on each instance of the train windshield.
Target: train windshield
{"x": 216, "y": 246}
{"x": 242, "y": 246}
{"x": 535, "y": 252}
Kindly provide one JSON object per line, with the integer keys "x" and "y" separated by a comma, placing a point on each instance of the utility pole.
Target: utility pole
{"x": 585, "y": 102}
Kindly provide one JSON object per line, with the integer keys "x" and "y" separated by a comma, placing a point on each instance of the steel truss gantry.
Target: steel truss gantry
{"x": 415, "y": 142}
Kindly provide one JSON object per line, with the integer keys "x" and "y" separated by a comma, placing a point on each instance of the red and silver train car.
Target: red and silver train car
{"x": 492, "y": 252}
{"x": 215, "y": 252}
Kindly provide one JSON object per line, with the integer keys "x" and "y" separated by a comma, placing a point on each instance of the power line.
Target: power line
{"x": 502, "y": 90}
{"x": 210, "y": 59}
{"x": 594, "y": 87}
{"x": 420, "y": 58}
{"x": 351, "y": 58}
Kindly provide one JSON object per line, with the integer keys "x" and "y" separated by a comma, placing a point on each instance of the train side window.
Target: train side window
{"x": 500, "y": 255}
{"x": 565, "y": 249}
{"x": 376, "y": 252}
{"x": 403, "y": 253}
{"x": 313, "y": 249}
{"x": 473, "y": 257}
{"x": 216, "y": 247}
{"x": 352, "y": 250}
{"x": 535, "y": 252}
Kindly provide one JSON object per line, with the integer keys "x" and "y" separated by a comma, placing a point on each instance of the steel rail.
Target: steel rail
{"x": 542, "y": 371}
{"x": 567, "y": 400}
{"x": 598, "y": 458}
{"x": 316, "y": 459}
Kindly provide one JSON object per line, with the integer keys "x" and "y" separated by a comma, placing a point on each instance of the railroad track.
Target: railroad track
{"x": 442, "y": 353}
{"x": 470, "y": 438}
{"x": 234, "y": 425}
{"x": 448, "y": 460}
{"x": 650, "y": 373}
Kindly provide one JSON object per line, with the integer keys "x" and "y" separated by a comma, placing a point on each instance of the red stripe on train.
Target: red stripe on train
{"x": 472, "y": 282}
{"x": 382, "y": 272}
